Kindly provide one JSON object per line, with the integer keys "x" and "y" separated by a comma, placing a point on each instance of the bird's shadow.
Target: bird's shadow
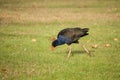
{"x": 78, "y": 52}
{"x": 81, "y": 52}
{"x": 74, "y": 52}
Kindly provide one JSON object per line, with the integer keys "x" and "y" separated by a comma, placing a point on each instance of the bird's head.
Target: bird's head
{"x": 54, "y": 44}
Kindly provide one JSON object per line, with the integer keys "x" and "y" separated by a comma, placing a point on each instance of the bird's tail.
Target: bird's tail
{"x": 85, "y": 30}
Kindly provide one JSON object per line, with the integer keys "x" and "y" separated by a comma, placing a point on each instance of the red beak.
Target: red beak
{"x": 52, "y": 48}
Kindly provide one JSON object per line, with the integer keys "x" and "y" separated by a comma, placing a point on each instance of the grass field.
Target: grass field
{"x": 26, "y": 30}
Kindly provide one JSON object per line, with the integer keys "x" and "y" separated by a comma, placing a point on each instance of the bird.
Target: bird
{"x": 69, "y": 36}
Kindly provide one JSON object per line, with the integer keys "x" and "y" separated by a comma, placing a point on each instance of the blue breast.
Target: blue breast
{"x": 62, "y": 40}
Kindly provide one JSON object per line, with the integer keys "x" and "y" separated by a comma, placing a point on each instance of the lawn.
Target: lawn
{"x": 27, "y": 28}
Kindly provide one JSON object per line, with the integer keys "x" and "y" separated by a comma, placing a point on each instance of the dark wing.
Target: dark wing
{"x": 63, "y": 32}
{"x": 77, "y": 34}
{"x": 68, "y": 33}
{"x": 71, "y": 33}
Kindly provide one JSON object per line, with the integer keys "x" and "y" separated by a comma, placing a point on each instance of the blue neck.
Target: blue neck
{"x": 62, "y": 40}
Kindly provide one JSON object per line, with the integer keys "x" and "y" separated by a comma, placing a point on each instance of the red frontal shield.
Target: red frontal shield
{"x": 52, "y": 48}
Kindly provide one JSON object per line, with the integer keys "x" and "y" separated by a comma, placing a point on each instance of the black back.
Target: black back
{"x": 74, "y": 33}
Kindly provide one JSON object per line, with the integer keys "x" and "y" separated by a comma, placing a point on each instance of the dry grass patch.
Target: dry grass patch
{"x": 51, "y": 15}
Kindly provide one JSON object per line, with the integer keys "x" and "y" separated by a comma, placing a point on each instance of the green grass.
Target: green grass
{"x": 23, "y": 59}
